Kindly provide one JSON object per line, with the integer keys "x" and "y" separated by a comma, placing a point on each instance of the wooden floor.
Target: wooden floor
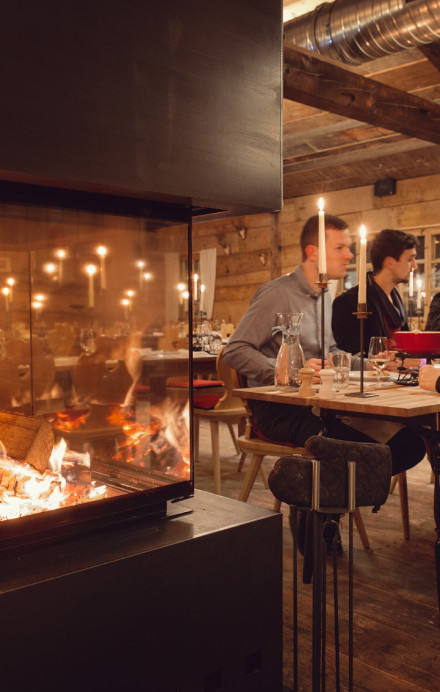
{"x": 396, "y": 623}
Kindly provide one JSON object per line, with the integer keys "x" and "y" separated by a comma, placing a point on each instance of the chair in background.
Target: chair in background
{"x": 223, "y": 408}
{"x": 250, "y": 443}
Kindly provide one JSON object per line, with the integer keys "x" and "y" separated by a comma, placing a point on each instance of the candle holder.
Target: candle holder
{"x": 362, "y": 315}
{"x": 323, "y": 285}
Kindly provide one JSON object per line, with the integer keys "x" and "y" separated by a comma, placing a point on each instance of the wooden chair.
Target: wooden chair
{"x": 229, "y": 410}
{"x": 259, "y": 448}
{"x": 401, "y": 480}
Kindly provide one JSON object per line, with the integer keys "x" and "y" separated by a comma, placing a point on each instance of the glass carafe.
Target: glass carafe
{"x": 290, "y": 357}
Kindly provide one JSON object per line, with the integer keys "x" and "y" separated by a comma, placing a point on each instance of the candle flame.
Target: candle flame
{"x": 129, "y": 293}
{"x": 50, "y": 268}
{"x": 363, "y": 232}
{"x": 203, "y": 288}
{"x": 181, "y": 287}
{"x": 6, "y": 291}
{"x": 147, "y": 276}
{"x": 39, "y": 297}
{"x": 140, "y": 264}
{"x": 321, "y": 204}
{"x": 10, "y": 281}
{"x": 61, "y": 254}
{"x": 125, "y": 301}
{"x": 101, "y": 250}
{"x": 90, "y": 269}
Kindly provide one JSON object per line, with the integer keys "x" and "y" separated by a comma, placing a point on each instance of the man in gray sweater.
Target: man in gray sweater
{"x": 253, "y": 347}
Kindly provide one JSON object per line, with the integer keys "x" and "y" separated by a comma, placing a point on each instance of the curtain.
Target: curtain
{"x": 208, "y": 269}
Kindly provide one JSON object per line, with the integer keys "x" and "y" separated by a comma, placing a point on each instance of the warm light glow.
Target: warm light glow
{"x": 185, "y": 294}
{"x": 203, "y": 288}
{"x": 50, "y": 268}
{"x": 61, "y": 254}
{"x": 140, "y": 264}
{"x": 10, "y": 281}
{"x": 125, "y": 302}
{"x": 40, "y": 297}
{"x": 362, "y": 281}
{"x": 37, "y": 304}
{"x": 322, "y": 256}
{"x": 181, "y": 287}
{"x": 321, "y": 204}
{"x": 148, "y": 276}
{"x": 129, "y": 293}
{"x": 90, "y": 269}
{"x": 363, "y": 232}
{"x": 6, "y": 291}
{"x": 101, "y": 250}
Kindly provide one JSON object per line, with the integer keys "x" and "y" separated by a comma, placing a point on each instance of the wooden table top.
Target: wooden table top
{"x": 393, "y": 400}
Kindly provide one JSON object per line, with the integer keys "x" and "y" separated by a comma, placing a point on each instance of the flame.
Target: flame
{"x": 66, "y": 422}
{"x": 165, "y": 437}
{"x": 24, "y": 490}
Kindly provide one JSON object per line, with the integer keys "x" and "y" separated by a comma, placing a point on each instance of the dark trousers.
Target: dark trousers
{"x": 295, "y": 424}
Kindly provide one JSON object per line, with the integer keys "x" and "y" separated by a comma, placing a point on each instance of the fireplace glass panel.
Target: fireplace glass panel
{"x": 93, "y": 341}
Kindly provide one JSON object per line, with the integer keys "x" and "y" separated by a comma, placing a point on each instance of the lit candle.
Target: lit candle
{"x": 181, "y": 288}
{"x": 147, "y": 276}
{"x": 37, "y": 305}
{"x": 5, "y": 291}
{"x": 322, "y": 262}
{"x": 141, "y": 265}
{"x": 362, "y": 298}
{"x": 91, "y": 271}
{"x": 61, "y": 255}
{"x": 50, "y": 268}
{"x": 125, "y": 302}
{"x": 185, "y": 295}
{"x": 10, "y": 283}
{"x": 202, "y": 295}
{"x": 102, "y": 252}
{"x": 196, "y": 278}
{"x": 411, "y": 284}
{"x": 419, "y": 293}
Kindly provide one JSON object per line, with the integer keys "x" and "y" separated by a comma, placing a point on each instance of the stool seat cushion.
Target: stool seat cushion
{"x": 206, "y": 401}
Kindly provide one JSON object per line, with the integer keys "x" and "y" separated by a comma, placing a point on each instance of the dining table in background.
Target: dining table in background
{"x": 404, "y": 404}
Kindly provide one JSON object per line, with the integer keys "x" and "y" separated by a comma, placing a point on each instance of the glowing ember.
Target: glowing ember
{"x": 23, "y": 490}
{"x": 66, "y": 422}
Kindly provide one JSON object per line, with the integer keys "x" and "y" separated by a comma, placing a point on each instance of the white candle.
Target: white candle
{"x": 10, "y": 283}
{"x": 5, "y": 292}
{"x": 322, "y": 259}
{"x": 141, "y": 265}
{"x": 181, "y": 288}
{"x": 125, "y": 302}
{"x": 91, "y": 271}
{"x": 102, "y": 252}
{"x": 196, "y": 278}
{"x": 419, "y": 293}
{"x": 202, "y": 295}
{"x": 185, "y": 295}
{"x": 411, "y": 284}
{"x": 362, "y": 299}
{"x": 61, "y": 255}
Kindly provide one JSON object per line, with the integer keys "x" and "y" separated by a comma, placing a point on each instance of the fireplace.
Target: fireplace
{"x": 88, "y": 299}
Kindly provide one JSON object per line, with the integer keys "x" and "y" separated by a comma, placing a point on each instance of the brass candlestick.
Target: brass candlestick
{"x": 362, "y": 315}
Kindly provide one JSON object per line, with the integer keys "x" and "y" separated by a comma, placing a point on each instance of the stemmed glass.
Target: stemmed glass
{"x": 87, "y": 340}
{"x": 378, "y": 354}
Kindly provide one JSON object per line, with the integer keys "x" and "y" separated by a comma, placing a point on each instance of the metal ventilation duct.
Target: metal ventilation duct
{"x": 356, "y": 31}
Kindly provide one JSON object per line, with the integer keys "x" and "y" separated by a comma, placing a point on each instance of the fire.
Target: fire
{"x": 23, "y": 490}
{"x": 67, "y": 422}
{"x": 161, "y": 441}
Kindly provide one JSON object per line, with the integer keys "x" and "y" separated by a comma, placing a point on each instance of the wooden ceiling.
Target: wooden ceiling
{"x": 338, "y": 119}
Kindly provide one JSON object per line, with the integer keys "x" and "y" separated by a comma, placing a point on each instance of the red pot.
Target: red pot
{"x": 418, "y": 342}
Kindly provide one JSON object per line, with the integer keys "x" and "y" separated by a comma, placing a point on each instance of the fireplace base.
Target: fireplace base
{"x": 191, "y": 602}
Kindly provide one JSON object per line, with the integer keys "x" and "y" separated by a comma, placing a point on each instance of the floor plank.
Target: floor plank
{"x": 396, "y": 621}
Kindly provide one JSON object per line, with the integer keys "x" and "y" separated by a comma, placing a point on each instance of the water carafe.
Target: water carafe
{"x": 290, "y": 357}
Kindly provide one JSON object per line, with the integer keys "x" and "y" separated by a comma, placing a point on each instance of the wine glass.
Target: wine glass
{"x": 340, "y": 362}
{"x": 87, "y": 340}
{"x": 378, "y": 354}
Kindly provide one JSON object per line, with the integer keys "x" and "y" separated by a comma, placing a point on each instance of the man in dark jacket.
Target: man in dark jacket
{"x": 393, "y": 256}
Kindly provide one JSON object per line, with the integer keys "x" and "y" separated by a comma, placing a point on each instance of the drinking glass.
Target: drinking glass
{"x": 87, "y": 340}
{"x": 340, "y": 362}
{"x": 378, "y": 354}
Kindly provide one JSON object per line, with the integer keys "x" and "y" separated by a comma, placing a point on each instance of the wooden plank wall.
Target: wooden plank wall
{"x": 239, "y": 273}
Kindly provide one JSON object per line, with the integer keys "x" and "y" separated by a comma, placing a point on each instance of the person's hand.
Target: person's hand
{"x": 428, "y": 376}
{"x": 316, "y": 364}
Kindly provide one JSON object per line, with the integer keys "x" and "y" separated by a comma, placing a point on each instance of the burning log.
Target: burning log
{"x": 27, "y": 438}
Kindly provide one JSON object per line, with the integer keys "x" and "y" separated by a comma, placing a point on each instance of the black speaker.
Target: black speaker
{"x": 384, "y": 187}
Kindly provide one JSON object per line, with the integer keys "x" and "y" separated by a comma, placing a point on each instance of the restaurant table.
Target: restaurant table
{"x": 407, "y": 405}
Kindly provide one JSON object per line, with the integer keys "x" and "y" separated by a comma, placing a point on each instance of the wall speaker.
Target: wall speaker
{"x": 385, "y": 187}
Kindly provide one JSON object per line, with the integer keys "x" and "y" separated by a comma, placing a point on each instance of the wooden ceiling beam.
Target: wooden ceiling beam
{"x": 324, "y": 84}
{"x": 432, "y": 52}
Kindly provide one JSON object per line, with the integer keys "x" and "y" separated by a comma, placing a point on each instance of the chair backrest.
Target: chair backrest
{"x": 229, "y": 378}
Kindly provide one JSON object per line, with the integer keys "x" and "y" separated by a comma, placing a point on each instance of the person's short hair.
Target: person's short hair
{"x": 310, "y": 231}
{"x": 389, "y": 243}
